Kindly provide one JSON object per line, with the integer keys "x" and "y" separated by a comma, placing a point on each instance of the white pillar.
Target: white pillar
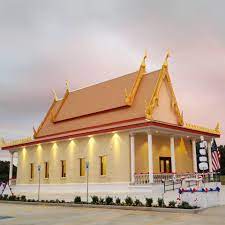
{"x": 172, "y": 153}
{"x": 194, "y": 157}
{"x": 210, "y": 157}
{"x": 11, "y": 167}
{"x": 150, "y": 158}
{"x": 132, "y": 158}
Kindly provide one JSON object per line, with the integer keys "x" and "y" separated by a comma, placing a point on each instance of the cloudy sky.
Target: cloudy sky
{"x": 44, "y": 43}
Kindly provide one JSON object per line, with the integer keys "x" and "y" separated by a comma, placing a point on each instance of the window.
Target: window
{"x": 103, "y": 165}
{"x": 46, "y": 170}
{"x": 31, "y": 171}
{"x": 63, "y": 168}
{"x": 82, "y": 167}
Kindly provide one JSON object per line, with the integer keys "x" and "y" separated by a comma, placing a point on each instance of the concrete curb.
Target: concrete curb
{"x": 135, "y": 208}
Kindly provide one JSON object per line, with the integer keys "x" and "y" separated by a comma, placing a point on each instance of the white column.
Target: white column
{"x": 150, "y": 158}
{"x": 172, "y": 153}
{"x": 194, "y": 157}
{"x": 132, "y": 158}
{"x": 11, "y": 167}
{"x": 210, "y": 156}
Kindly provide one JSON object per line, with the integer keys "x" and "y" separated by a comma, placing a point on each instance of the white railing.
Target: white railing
{"x": 141, "y": 178}
{"x": 12, "y": 181}
{"x": 158, "y": 177}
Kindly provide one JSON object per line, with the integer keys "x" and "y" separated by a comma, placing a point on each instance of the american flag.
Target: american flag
{"x": 215, "y": 156}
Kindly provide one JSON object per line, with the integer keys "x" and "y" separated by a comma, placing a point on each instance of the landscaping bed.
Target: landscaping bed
{"x": 108, "y": 203}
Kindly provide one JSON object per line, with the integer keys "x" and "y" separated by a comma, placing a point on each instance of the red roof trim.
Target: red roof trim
{"x": 141, "y": 125}
{"x": 92, "y": 127}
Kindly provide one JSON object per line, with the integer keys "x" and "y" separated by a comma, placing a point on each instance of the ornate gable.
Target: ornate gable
{"x": 163, "y": 104}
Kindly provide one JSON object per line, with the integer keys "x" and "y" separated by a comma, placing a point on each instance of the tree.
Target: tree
{"x": 4, "y": 171}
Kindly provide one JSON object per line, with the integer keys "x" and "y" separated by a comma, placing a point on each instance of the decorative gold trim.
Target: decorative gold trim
{"x": 61, "y": 105}
{"x": 45, "y": 118}
{"x": 17, "y": 142}
{"x": 164, "y": 74}
{"x": 55, "y": 95}
{"x": 129, "y": 98}
{"x": 67, "y": 85}
{"x": 166, "y": 58}
{"x": 203, "y": 129}
{"x": 34, "y": 132}
{"x": 217, "y": 128}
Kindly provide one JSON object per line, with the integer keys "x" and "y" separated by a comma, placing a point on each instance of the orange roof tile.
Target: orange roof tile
{"x": 103, "y": 103}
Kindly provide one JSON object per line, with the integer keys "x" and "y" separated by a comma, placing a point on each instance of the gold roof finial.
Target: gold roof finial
{"x": 34, "y": 132}
{"x": 67, "y": 86}
{"x": 143, "y": 63}
{"x": 217, "y": 127}
{"x": 166, "y": 58}
{"x": 55, "y": 95}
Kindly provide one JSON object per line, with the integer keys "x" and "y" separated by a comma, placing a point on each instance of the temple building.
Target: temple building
{"x": 126, "y": 132}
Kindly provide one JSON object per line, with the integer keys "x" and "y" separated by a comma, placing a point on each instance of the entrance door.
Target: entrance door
{"x": 165, "y": 164}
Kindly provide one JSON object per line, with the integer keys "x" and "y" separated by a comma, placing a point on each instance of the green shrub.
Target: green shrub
{"x": 118, "y": 201}
{"x": 77, "y": 199}
{"x": 63, "y": 201}
{"x": 185, "y": 205}
{"x": 172, "y": 204}
{"x": 137, "y": 202}
{"x": 12, "y": 198}
{"x": 23, "y": 198}
{"x": 94, "y": 199}
{"x": 57, "y": 201}
{"x": 101, "y": 201}
{"x": 148, "y": 202}
{"x": 18, "y": 198}
{"x": 1, "y": 197}
{"x": 109, "y": 200}
{"x": 129, "y": 201}
{"x": 5, "y": 197}
{"x": 161, "y": 202}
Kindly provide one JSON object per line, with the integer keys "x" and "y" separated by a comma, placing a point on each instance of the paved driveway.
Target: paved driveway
{"x": 24, "y": 215}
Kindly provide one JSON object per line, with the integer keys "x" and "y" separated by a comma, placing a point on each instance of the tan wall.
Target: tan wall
{"x": 115, "y": 146}
{"x": 183, "y": 154}
{"x": 164, "y": 112}
{"x": 161, "y": 148}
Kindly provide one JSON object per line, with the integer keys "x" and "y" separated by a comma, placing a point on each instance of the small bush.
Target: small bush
{"x": 57, "y": 201}
{"x": 95, "y": 199}
{"x": 52, "y": 201}
{"x": 149, "y": 202}
{"x": 129, "y": 201}
{"x": 5, "y": 197}
{"x": 118, "y": 201}
{"x": 12, "y": 198}
{"x": 63, "y": 201}
{"x": 101, "y": 201}
{"x": 109, "y": 200}
{"x": 185, "y": 205}
{"x": 161, "y": 202}
{"x": 77, "y": 199}
{"x": 18, "y": 198}
{"x": 23, "y": 198}
{"x": 137, "y": 202}
{"x": 172, "y": 204}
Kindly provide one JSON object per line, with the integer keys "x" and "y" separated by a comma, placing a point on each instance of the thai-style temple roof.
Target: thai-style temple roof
{"x": 127, "y": 101}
